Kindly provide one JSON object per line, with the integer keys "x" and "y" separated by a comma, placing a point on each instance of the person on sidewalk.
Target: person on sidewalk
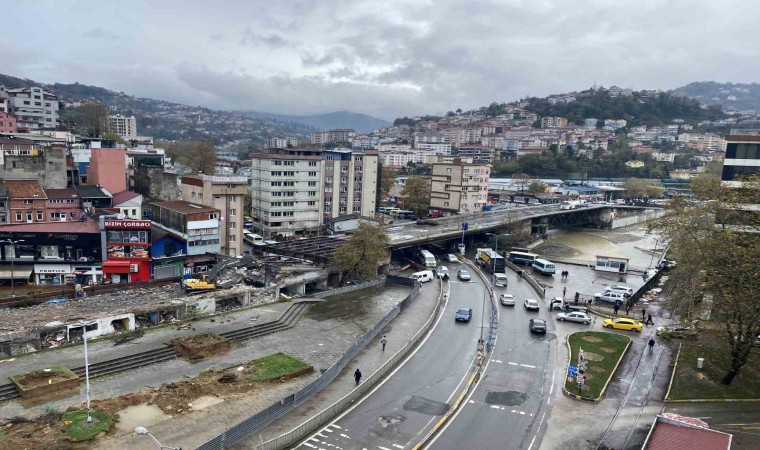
{"x": 577, "y": 297}
{"x": 564, "y": 291}
{"x": 649, "y": 320}
{"x": 627, "y": 309}
{"x": 643, "y": 314}
{"x": 651, "y": 345}
{"x": 616, "y": 308}
{"x": 384, "y": 341}
{"x": 357, "y": 376}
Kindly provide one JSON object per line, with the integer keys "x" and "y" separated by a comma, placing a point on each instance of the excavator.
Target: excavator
{"x": 208, "y": 281}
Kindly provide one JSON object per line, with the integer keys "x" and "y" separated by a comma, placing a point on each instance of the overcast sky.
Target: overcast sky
{"x": 381, "y": 57}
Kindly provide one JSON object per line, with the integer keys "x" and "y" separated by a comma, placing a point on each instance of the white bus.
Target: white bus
{"x": 543, "y": 266}
{"x": 252, "y": 238}
{"x": 427, "y": 259}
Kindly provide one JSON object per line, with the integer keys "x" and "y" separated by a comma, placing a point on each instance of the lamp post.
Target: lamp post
{"x": 13, "y": 244}
{"x": 144, "y": 432}
{"x": 86, "y": 370}
{"x": 651, "y": 260}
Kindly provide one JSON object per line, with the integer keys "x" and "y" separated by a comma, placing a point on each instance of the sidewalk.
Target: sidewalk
{"x": 311, "y": 337}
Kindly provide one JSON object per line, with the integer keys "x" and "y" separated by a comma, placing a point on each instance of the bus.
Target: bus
{"x": 520, "y": 257}
{"x": 427, "y": 259}
{"x": 543, "y": 266}
{"x": 252, "y": 238}
{"x": 490, "y": 260}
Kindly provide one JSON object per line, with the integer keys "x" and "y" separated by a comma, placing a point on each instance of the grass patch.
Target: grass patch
{"x": 275, "y": 366}
{"x": 692, "y": 383}
{"x": 602, "y": 351}
{"x": 76, "y": 426}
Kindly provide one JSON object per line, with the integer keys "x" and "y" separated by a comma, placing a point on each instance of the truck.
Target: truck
{"x": 570, "y": 204}
{"x": 208, "y": 281}
{"x": 490, "y": 260}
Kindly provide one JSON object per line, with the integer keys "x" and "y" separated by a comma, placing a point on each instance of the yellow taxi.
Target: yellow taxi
{"x": 621, "y": 323}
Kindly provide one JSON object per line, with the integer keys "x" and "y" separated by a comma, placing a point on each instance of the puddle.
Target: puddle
{"x": 423, "y": 405}
{"x": 508, "y": 398}
{"x": 205, "y": 401}
{"x": 140, "y": 416}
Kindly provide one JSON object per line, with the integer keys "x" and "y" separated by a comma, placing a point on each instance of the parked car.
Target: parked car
{"x": 507, "y": 299}
{"x": 575, "y": 316}
{"x": 621, "y": 323}
{"x": 441, "y": 271}
{"x": 677, "y": 332}
{"x": 531, "y": 304}
{"x": 611, "y": 297}
{"x": 619, "y": 288}
{"x": 463, "y": 315}
{"x": 537, "y": 326}
{"x": 452, "y": 258}
{"x": 463, "y": 275}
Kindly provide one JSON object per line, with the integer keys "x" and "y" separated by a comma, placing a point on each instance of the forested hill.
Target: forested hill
{"x": 638, "y": 109}
{"x": 738, "y": 96}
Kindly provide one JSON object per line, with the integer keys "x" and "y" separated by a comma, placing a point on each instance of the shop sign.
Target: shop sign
{"x": 128, "y": 224}
{"x": 52, "y": 269}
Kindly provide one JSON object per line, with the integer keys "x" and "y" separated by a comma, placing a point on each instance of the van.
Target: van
{"x": 543, "y": 266}
{"x": 426, "y": 259}
{"x": 500, "y": 279}
{"x": 620, "y": 201}
{"x": 422, "y": 277}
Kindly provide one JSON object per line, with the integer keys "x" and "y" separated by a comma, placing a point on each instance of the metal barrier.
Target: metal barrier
{"x": 257, "y": 422}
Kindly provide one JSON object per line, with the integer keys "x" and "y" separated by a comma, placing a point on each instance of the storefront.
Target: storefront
{"x": 128, "y": 245}
{"x": 51, "y": 274}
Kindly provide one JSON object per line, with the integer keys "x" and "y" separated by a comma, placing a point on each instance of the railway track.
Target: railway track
{"x": 99, "y": 369}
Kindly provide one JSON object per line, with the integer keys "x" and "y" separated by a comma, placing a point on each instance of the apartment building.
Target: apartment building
{"x": 553, "y": 122}
{"x": 225, "y": 194}
{"x": 195, "y": 224}
{"x": 125, "y": 127}
{"x": 318, "y": 138}
{"x": 459, "y": 187}
{"x": 33, "y": 107}
{"x": 27, "y": 159}
{"x": 27, "y": 201}
{"x": 350, "y": 183}
{"x": 8, "y": 123}
{"x": 282, "y": 142}
{"x": 439, "y": 148}
{"x": 742, "y": 158}
{"x": 287, "y": 192}
{"x": 342, "y": 136}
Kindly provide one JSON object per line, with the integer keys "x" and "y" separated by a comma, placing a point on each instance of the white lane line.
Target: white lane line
{"x": 345, "y": 436}
{"x": 528, "y": 366}
{"x": 309, "y": 445}
{"x": 398, "y": 446}
{"x": 538, "y": 430}
{"x": 512, "y": 363}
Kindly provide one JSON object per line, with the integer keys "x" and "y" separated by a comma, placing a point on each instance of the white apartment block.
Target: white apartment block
{"x": 439, "y": 148}
{"x": 342, "y": 136}
{"x": 320, "y": 137}
{"x": 459, "y": 187}
{"x": 401, "y": 159}
{"x": 125, "y": 127}
{"x": 382, "y": 148}
{"x": 663, "y": 157}
{"x": 33, "y": 107}
{"x": 286, "y": 192}
{"x": 553, "y": 122}
{"x": 350, "y": 183}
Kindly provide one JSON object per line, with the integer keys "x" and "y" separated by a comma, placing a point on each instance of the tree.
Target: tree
{"x": 114, "y": 137}
{"x": 363, "y": 252}
{"x": 521, "y": 181}
{"x": 93, "y": 118}
{"x": 536, "y": 187}
{"x": 198, "y": 156}
{"x": 387, "y": 180}
{"x": 635, "y": 187}
{"x": 416, "y": 195}
{"x": 717, "y": 244}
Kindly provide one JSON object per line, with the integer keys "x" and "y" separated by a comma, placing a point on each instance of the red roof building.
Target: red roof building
{"x": 674, "y": 432}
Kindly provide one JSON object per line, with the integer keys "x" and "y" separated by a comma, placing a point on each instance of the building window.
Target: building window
{"x": 311, "y": 203}
{"x": 28, "y": 202}
{"x": 192, "y": 196}
{"x": 213, "y": 216}
{"x": 18, "y": 217}
{"x": 232, "y": 225}
{"x": 233, "y": 238}
{"x": 312, "y": 183}
{"x": 312, "y": 174}
{"x": 312, "y": 164}
{"x": 312, "y": 193}
{"x": 232, "y": 211}
{"x": 200, "y": 196}
{"x": 28, "y": 217}
{"x": 357, "y": 209}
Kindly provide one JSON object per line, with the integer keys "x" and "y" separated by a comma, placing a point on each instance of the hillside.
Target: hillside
{"x": 638, "y": 109}
{"x": 167, "y": 120}
{"x": 738, "y": 96}
{"x": 362, "y": 123}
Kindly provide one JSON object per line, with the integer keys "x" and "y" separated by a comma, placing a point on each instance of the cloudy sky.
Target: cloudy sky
{"x": 382, "y": 57}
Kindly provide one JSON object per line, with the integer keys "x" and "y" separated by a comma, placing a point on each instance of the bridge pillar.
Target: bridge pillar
{"x": 539, "y": 226}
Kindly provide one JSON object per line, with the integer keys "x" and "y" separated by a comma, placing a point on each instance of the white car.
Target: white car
{"x": 507, "y": 299}
{"x": 622, "y": 289}
{"x": 575, "y": 316}
{"x": 441, "y": 271}
{"x": 452, "y": 258}
{"x": 531, "y": 304}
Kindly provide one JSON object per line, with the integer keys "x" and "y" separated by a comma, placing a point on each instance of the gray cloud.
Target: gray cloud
{"x": 389, "y": 58}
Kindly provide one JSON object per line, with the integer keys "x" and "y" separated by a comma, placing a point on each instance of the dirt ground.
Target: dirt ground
{"x": 46, "y": 432}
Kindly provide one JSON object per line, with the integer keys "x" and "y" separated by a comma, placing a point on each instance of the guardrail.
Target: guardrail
{"x": 260, "y": 420}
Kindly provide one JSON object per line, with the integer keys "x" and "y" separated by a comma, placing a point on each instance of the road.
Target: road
{"x": 398, "y": 413}
{"x": 509, "y": 407}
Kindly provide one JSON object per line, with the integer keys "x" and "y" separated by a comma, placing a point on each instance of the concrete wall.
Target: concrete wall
{"x": 108, "y": 169}
{"x": 152, "y": 182}
{"x": 49, "y": 167}
{"x": 638, "y": 218}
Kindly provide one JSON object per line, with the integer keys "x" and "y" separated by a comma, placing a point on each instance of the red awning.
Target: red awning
{"x": 116, "y": 266}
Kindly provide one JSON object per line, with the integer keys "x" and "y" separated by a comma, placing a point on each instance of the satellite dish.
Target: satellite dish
{"x": 121, "y": 216}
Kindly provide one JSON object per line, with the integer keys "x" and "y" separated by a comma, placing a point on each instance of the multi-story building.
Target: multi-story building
{"x": 320, "y": 137}
{"x": 33, "y": 107}
{"x": 350, "y": 183}
{"x": 742, "y": 158}
{"x": 459, "y": 187}
{"x": 63, "y": 205}
{"x": 126, "y": 256}
{"x": 277, "y": 142}
{"x": 3, "y": 203}
{"x": 342, "y": 136}
{"x": 27, "y": 202}
{"x": 389, "y": 147}
{"x": 440, "y": 148}
{"x": 478, "y": 153}
{"x": 7, "y": 123}
{"x": 196, "y": 225}
{"x": 553, "y": 122}
{"x": 26, "y": 159}
{"x": 125, "y": 127}
{"x": 225, "y": 194}
{"x": 286, "y": 192}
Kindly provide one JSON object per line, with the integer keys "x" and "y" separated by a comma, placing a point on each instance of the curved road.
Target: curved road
{"x": 509, "y": 407}
{"x": 398, "y": 413}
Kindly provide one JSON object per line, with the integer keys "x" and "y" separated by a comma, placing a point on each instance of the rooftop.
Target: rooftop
{"x": 90, "y": 191}
{"x": 61, "y": 193}
{"x": 26, "y": 189}
{"x": 87, "y": 226}
{"x": 671, "y": 436}
{"x": 124, "y": 196}
{"x": 184, "y": 207}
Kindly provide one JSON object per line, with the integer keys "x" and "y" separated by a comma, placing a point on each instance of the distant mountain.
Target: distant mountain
{"x": 167, "y": 120}
{"x": 738, "y": 96}
{"x": 362, "y": 123}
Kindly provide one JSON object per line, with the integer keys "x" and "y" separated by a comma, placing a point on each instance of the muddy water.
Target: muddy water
{"x": 633, "y": 243}
{"x": 140, "y": 416}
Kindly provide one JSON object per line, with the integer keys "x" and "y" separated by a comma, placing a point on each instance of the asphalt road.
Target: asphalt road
{"x": 740, "y": 419}
{"x": 399, "y": 412}
{"x": 509, "y": 407}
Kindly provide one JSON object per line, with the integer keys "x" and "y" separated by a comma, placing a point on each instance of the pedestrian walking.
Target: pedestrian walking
{"x": 616, "y": 308}
{"x": 384, "y": 341}
{"x": 627, "y": 309}
{"x": 651, "y": 344}
{"x": 643, "y": 314}
{"x": 357, "y": 376}
{"x": 577, "y": 297}
{"x": 649, "y": 320}
{"x": 567, "y": 274}
{"x": 564, "y": 291}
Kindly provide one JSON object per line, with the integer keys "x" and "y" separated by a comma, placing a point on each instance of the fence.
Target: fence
{"x": 257, "y": 422}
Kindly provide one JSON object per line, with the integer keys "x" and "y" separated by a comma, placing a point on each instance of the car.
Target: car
{"x": 625, "y": 290}
{"x": 441, "y": 271}
{"x": 507, "y": 299}
{"x": 622, "y": 323}
{"x": 575, "y": 316}
{"x": 452, "y": 258}
{"x": 677, "y": 332}
{"x": 617, "y": 298}
{"x": 463, "y": 315}
{"x": 531, "y": 304}
{"x": 463, "y": 275}
{"x": 537, "y": 326}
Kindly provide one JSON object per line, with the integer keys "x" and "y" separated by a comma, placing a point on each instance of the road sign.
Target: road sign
{"x": 465, "y": 226}
{"x": 572, "y": 371}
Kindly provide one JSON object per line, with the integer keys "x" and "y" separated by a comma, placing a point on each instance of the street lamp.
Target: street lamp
{"x": 144, "y": 431}
{"x": 651, "y": 260}
{"x": 86, "y": 369}
{"x": 13, "y": 244}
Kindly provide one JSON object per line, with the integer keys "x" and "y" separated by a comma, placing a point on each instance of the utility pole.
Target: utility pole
{"x": 13, "y": 280}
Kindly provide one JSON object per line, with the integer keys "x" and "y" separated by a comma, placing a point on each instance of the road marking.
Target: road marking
{"x": 398, "y": 446}
{"x": 538, "y": 430}
{"x": 345, "y": 436}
